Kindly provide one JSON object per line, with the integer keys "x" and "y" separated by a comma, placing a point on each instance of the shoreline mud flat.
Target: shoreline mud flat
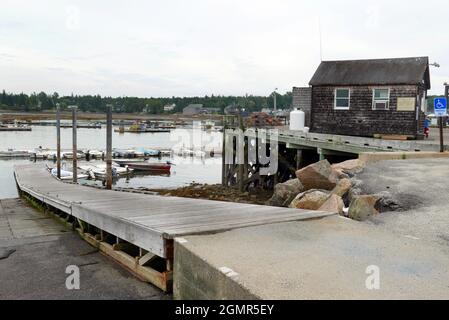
{"x": 215, "y": 192}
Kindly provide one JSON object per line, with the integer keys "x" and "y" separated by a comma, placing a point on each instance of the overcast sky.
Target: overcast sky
{"x": 198, "y": 47}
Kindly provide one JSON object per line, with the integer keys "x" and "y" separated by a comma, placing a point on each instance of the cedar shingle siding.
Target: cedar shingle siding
{"x": 361, "y": 119}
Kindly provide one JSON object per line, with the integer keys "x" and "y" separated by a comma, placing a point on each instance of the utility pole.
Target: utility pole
{"x": 58, "y": 141}
{"x": 74, "y": 147}
{"x": 109, "y": 148}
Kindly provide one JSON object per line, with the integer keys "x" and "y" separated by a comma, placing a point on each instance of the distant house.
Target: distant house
{"x": 193, "y": 109}
{"x": 367, "y": 97}
{"x": 169, "y": 107}
{"x": 232, "y": 109}
{"x": 211, "y": 110}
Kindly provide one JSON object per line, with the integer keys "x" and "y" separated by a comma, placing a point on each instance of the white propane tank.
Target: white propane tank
{"x": 297, "y": 120}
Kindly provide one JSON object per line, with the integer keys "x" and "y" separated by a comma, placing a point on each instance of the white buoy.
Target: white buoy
{"x": 297, "y": 120}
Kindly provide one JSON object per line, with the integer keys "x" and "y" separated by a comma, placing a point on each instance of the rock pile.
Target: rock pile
{"x": 325, "y": 187}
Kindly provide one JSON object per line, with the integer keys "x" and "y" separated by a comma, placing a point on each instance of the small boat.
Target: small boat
{"x": 11, "y": 153}
{"x": 200, "y": 153}
{"x": 165, "y": 152}
{"x": 125, "y": 153}
{"x": 69, "y": 155}
{"x": 67, "y": 175}
{"x": 150, "y": 152}
{"x": 123, "y": 162}
{"x": 99, "y": 171}
{"x": 148, "y": 166}
{"x": 96, "y": 154}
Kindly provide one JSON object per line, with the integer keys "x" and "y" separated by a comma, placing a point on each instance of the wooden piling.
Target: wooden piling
{"x": 223, "y": 154}
{"x": 298, "y": 159}
{"x": 75, "y": 147}
{"x": 109, "y": 148}
{"x": 58, "y": 141}
{"x": 241, "y": 166}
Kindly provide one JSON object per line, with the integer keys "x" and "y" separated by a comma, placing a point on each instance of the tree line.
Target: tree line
{"x": 42, "y": 101}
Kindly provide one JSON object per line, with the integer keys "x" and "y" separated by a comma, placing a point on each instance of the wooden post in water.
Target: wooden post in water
{"x": 58, "y": 141}
{"x": 223, "y": 154}
{"x": 238, "y": 150}
{"x": 109, "y": 148}
{"x": 75, "y": 147}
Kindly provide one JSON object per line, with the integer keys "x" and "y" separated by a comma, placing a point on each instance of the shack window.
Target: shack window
{"x": 342, "y": 99}
{"x": 381, "y": 99}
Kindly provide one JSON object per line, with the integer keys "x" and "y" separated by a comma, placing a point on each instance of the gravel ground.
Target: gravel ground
{"x": 421, "y": 187}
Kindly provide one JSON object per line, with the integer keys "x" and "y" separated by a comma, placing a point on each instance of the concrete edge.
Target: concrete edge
{"x": 368, "y": 157}
{"x": 197, "y": 279}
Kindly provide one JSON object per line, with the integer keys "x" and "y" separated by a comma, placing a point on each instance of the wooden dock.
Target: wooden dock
{"x": 148, "y": 223}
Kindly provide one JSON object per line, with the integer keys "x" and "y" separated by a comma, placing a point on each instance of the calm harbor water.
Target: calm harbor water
{"x": 184, "y": 171}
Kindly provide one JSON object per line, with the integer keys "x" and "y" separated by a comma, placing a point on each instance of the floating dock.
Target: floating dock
{"x": 138, "y": 229}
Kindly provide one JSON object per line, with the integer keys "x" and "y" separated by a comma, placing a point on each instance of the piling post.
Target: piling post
{"x": 109, "y": 148}
{"x": 223, "y": 154}
{"x": 74, "y": 147}
{"x": 58, "y": 141}
{"x": 298, "y": 159}
{"x": 238, "y": 147}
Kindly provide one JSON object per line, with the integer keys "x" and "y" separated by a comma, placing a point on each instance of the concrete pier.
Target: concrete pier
{"x": 321, "y": 259}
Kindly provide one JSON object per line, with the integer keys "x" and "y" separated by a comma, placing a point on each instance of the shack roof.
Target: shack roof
{"x": 373, "y": 72}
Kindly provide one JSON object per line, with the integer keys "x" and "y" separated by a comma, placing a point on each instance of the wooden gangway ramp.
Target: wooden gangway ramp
{"x": 149, "y": 222}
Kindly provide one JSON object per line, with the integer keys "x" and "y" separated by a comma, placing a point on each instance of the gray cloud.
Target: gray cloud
{"x": 155, "y": 48}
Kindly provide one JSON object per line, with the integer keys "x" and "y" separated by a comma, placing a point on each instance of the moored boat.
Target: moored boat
{"x": 148, "y": 166}
{"x": 67, "y": 175}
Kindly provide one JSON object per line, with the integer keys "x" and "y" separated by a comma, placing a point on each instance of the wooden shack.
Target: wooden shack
{"x": 368, "y": 97}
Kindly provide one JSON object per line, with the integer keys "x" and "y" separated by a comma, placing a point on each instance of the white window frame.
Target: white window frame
{"x": 335, "y": 99}
{"x": 388, "y": 100}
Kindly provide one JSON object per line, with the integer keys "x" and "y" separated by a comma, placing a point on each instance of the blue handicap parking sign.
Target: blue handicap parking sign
{"x": 440, "y": 105}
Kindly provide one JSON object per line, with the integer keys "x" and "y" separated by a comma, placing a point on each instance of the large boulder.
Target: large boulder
{"x": 363, "y": 207}
{"x": 349, "y": 167}
{"x": 334, "y": 204}
{"x": 388, "y": 202}
{"x": 310, "y": 200}
{"x": 284, "y": 193}
{"x": 318, "y": 175}
{"x": 342, "y": 187}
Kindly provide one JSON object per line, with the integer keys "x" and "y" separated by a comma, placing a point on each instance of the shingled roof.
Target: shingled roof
{"x": 373, "y": 72}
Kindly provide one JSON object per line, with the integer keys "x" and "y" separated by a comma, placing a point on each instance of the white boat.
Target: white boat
{"x": 121, "y": 161}
{"x": 97, "y": 154}
{"x": 200, "y": 153}
{"x": 67, "y": 175}
{"x": 11, "y": 153}
{"x": 69, "y": 155}
{"x": 99, "y": 171}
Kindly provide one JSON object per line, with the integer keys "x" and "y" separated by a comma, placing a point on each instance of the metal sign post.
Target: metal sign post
{"x": 440, "y": 106}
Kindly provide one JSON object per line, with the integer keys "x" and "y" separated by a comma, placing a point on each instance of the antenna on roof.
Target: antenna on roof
{"x": 321, "y": 41}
